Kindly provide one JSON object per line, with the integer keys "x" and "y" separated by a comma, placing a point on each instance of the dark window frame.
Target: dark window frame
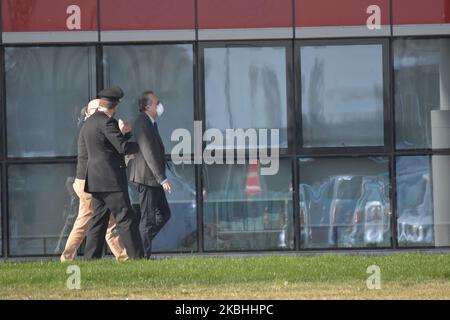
{"x": 386, "y": 156}
{"x": 384, "y": 42}
{"x": 101, "y": 65}
{"x": 29, "y": 161}
{"x": 290, "y": 112}
{"x": 287, "y": 158}
{"x": 3, "y": 181}
{"x": 412, "y": 151}
{"x": 6, "y": 157}
{"x": 294, "y": 153}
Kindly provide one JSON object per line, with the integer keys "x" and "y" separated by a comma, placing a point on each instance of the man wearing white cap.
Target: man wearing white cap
{"x": 85, "y": 212}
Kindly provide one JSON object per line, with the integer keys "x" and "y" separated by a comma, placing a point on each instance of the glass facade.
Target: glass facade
{"x": 342, "y": 95}
{"x": 46, "y": 88}
{"x": 365, "y": 144}
{"x": 165, "y": 69}
{"x": 246, "y": 87}
{"x": 422, "y": 93}
{"x": 42, "y": 207}
{"x": 345, "y": 202}
{"x": 423, "y": 211}
{"x": 244, "y": 210}
{"x": 180, "y": 232}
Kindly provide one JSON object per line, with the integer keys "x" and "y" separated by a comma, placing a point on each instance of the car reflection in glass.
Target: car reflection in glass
{"x": 315, "y": 214}
{"x": 415, "y": 222}
{"x": 371, "y": 224}
{"x": 345, "y": 211}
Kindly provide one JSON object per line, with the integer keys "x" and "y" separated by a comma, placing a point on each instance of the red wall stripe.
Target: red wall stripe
{"x": 147, "y": 14}
{"x": 224, "y": 14}
{"x": 421, "y": 11}
{"x": 319, "y": 13}
{"x": 46, "y": 15}
{"x": 50, "y": 15}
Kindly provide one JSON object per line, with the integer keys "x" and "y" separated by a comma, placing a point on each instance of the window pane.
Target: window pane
{"x": 46, "y": 87}
{"x": 422, "y": 93}
{"x": 180, "y": 232}
{"x": 165, "y": 69}
{"x": 344, "y": 202}
{"x": 244, "y": 210}
{"x": 342, "y": 95}
{"x": 42, "y": 207}
{"x": 246, "y": 88}
{"x": 423, "y": 205}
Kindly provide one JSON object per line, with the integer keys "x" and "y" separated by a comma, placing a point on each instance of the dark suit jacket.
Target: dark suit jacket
{"x": 148, "y": 166}
{"x": 100, "y": 138}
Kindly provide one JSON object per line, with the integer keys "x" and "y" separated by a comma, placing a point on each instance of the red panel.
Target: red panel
{"x": 46, "y": 15}
{"x": 147, "y": 14}
{"x": 319, "y": 13}
{"x": 224, "y": 14}
{"x": 421, "y": 11}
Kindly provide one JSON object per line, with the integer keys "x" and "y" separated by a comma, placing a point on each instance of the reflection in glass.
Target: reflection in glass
{"x": 342, "y": 95}
{"x": 344, "y": 202}
{"x": 42, "y": 207}
{"x": 414, "y": 201}
{"x": 422, "y": 99}
{"x": 244, "y": 210}
{"x": 422, "y": 201}
{"x": 180, "y": 232}
{"x": 165, "y": 69}
{"x": 46, "y": 87}
{"x": 246, "y": 88}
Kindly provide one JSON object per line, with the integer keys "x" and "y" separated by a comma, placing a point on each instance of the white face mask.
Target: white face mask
{"x": 159, "y": 109}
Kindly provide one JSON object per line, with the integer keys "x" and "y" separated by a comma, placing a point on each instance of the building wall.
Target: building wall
{"x": 358, "y": 89}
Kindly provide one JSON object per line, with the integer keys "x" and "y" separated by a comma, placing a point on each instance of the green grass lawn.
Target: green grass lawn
{"x": 403, "y": 276}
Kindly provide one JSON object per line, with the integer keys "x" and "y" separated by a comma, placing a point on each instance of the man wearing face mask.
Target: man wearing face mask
{"x": 147, "y": 170}
{"x": 106, "y": 179}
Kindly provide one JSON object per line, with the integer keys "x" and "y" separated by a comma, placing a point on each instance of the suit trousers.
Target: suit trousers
{"x": 155, "y": 213}
{"x": 81, "y": 227}
{"x": 117, "y": 203}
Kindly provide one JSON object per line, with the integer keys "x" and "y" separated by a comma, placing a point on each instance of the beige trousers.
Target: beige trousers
{"x": 82, "y": 224}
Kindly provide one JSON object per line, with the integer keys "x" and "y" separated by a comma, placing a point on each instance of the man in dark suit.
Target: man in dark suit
{"x": 148, "y": 170}
{"x": 106, "y": 177}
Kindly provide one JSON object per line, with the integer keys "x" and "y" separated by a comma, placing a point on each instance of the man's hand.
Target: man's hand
{"x": 124, "y": 127}
{"x": 167, "y": 187}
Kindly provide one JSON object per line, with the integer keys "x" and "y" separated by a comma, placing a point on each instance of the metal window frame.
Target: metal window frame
{"x": 101, "y": 65}
{"x": 384, "y": 42}
{"x": 349, "y": 157}
{"x": 288, "y": 153}
{"x": 352, "y": 152}
{"x": 287, "y": 44}
{"x": 286, "y": 158}
{"x": 9, "y": 161}
{"x": 294, "y": 151}
{"x": 396, "y": 152}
